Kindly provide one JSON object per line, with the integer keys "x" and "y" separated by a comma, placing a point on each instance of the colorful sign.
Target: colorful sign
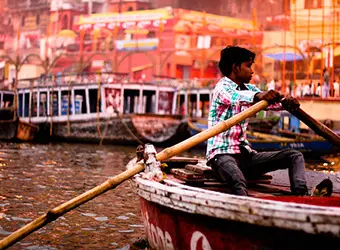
{"x": 213, "y": 22}
{"x": 112, "y": 100}
{"x": 137, "y": 45}
{"x": 130, "y": 16}
{"x": 180, "y": 19}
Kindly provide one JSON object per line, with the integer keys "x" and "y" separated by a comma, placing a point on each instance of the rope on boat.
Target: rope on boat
{"x": 51, "y": 105}
{"x": 31, "y": 100}
{"x": 130, "y": 132}
{"x": 126, "y": 127}
{"x": 98, "y": 101}
{"x": 68, "y": 107}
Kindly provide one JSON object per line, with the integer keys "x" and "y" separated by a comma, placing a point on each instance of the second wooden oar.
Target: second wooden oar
{"x": 317, "y": 127}
{"x": 118, "y": 179}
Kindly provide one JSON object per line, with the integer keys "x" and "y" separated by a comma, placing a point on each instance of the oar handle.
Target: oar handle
{"x": 208, "y": 133}
{"x": 317, "y": 127}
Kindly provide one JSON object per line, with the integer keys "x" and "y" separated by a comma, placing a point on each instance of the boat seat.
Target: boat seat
{"x": 203, "y": 175}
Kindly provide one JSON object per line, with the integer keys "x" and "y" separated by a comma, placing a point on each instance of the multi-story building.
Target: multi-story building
{"x": 30, "y": 18}
{"x": 27, "y": 25}
{"x": 164, "y": 42}
{"x": 262, "y": 10}
{"x": 129, "y": 5}
{"x": 95, "y": 6}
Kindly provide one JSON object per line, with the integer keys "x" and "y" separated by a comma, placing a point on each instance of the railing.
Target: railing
{"x": 197, "y": 83}
{"x": 112, "y": 77}
{"x": 65, "y": 79}
{"x": 28, "y": 4}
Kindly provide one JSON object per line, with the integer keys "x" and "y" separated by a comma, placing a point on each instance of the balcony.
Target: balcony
{"x": 28, "y": 5}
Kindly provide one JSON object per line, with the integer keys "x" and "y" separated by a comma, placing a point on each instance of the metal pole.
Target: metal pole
{"x": 295, "y": 45}
{"x": 308, "y": 50}
{"x": 284, "y": 48}
{"x": 322, "y": 43}
{"x": 333, "y": 48}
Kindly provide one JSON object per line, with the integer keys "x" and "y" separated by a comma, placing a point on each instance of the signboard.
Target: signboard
{"x": 137, "y": 45}
{"x": 182, "y": 44}
{"x": 113, "y": 100}
{"x": 130, "y": 16}
{"x": 213, "y": 22}
{"x": 179, "y": 19}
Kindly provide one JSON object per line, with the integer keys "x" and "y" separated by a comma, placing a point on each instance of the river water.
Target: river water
{"x": 35, "y": 178}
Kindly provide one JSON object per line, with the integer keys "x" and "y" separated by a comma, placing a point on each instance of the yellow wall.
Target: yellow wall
{"x": 274, "y": 39}
{"x": 322, "y": 110}
{"x": 30, "y": 71}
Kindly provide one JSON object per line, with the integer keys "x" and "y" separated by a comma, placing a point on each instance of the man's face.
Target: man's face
{"x": 244, "y": 72}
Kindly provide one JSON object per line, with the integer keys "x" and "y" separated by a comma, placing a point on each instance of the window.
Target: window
{"x": 37, "y": 20}
{"x": 313, "y": 4}
{"x": 151, "y": 34}
{"x": 65, "y": 22}
{"x": 23, "y": 21}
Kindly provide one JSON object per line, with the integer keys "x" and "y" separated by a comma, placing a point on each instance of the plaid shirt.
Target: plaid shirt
{"x": 228, "y": 101}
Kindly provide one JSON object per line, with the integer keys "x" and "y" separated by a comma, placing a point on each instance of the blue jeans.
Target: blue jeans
{"x": 235, "y": 168}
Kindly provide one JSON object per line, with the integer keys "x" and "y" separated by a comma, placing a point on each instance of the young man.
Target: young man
{"x": 229, "y": 153}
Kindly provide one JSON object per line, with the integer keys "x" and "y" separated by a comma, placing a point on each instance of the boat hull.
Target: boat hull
{"x": 266, "y": 142}
{"x": 8, "y": 130}
{"x": 13, "y": 128}
{"x": 26, "y": 131}
{"x": 179, "y": 214}
{"x": 171, "y": 229}
{"x": 134, "y": 129}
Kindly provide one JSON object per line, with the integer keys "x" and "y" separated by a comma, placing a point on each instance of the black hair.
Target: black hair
{"x": 234, "y": 55}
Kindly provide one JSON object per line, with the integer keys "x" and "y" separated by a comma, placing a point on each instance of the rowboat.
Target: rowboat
{"x": 192, "y": 210}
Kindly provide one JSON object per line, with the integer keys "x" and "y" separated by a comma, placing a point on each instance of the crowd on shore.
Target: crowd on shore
{"x": 308, "y": 88}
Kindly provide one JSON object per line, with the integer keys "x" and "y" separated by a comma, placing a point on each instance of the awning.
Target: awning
{"x": 280, "y": 56}
{"x": 142, "y": 67}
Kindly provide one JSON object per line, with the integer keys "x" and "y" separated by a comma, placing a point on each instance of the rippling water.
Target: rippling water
{"x": 35, "y": 178}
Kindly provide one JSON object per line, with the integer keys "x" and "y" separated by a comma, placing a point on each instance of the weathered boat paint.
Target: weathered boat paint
{"x": 178, "y": 216}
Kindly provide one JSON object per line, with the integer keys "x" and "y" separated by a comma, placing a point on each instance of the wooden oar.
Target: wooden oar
{"x": 317, "y": 127}
{"x": 118, "y": 179}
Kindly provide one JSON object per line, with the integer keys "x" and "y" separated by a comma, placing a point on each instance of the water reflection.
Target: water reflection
{"x": 36, "y": 178}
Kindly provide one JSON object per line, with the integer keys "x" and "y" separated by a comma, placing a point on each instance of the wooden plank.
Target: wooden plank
{"x": 201, "y": 169}
{"x": 187, "y": 174}
{"x": 186, "y": 160}
{"x": 179, "y": 162}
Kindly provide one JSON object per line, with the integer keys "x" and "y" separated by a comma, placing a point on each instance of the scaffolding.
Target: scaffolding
{"x": 316, "y": 31}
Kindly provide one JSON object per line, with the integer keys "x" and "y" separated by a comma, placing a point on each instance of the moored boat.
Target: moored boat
{"x": 100, "y": 108}
{"x": 282, "y": 139}
{"x": 12, "y": 128}
{"x": 190, "y": 210}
